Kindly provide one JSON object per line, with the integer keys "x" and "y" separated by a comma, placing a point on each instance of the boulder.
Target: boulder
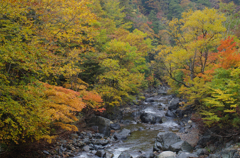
{"x": 165, "y": 139}
{"x": 115, "y": 126}
{"x": 185, "y": 111}
{"x": 102, "y": 123}
{"x": 101, "y": 153}
{"x": 149, "y": 100}
{"x": 125, "y": 155}
{"x": 167, "y": 154}
{"x": 150, "y": 118}
{"x": 174, "y": 104}
{"x": 170, "y": 114}
{"x": 181, "y": 146}
{"x": 123, "y": 134}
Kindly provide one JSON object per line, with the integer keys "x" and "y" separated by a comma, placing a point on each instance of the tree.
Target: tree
{"x": 40, "y": 41}
{"x": 196, "y": 36}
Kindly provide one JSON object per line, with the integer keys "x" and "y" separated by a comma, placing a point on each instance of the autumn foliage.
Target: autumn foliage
{"x": 39, "y": 42}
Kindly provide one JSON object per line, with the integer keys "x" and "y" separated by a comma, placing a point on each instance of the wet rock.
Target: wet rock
{"x": 89, "y": 135}
{"x": 61, "y": 150}
{"x": 115, "y": 126}
{"x": 150, "y": 118}
{"x": 93, "y": 152}
{"x": 167, "y": 154}
{"x": 166, "y": 139}
{"x": 201, "y": 151}
{"x": 158, "y": 119}
{"x": 98, "y": 147}
{"x": 86, "y": 141}
{"x": 140, "y": 129}
{"x": 46, "y": 152}
{"x": 100, "y": 153}
{"x": 102, "y": 123}
{"x": 170, "y": 114}
{"x": 174, "y": 104}
{"x": 125, "y": 122}
{"x": 100, "y": 141}
{"x": 135, "y": 114}
{"x": 188, "y": 110}
{"x": 157, "y": 146}
{"x": 149, "y": 100}
{"x": 98, "y": 135}
{"x": 86, "y": 148}
{"x": 123, "y": 134}
{"x": 125, "y": 155}
{"x": 182, "y": 145}
{"x": 186, "y": 155}
{"x": 79, "y": 144}
{"x": 109, "y": 155}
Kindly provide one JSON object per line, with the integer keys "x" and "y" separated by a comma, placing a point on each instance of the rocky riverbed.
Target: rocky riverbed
{"x": 157, "y": 127}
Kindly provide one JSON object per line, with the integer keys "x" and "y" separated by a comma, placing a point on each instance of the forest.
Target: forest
{"x": 64, "y": 59}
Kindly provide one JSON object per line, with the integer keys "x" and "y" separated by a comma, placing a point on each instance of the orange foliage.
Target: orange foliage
{"x": 63, "y": 104}
{"x": 93, "y": 97}
{"x": 228, "y": 56}
{"x": 93, "y": 100}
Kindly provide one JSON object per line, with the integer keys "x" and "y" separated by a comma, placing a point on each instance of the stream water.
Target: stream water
{"x": 143, "y": 135}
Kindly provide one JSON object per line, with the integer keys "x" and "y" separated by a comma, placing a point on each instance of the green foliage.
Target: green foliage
{"x": 223, "y": 103}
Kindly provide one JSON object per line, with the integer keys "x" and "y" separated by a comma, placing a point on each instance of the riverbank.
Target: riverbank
{"x": 149, "y": 128}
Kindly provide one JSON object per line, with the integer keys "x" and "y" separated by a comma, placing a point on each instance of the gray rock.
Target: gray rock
{"x": 86, "y": 141}
{"x": 166, "y": 139}
{"x": 150, "y": 118}
{"x": 100, "y": 153}
{"x": 86, "y": 148}
{"x": 201, "y": 151}
{"x": 123, "y": 134}
{"x": 115, "y": 126}
{"x": 174, "y": 104}
{"x": 140, "y": 129}
{"x": 214, "y": 156}
{"x": 157, "y": 146}
{"x": 99, "y": 136}
{"x": 149, "y": 100}
{"x": 125, "y": 155}
{"x": 102, "y": 123}
{"x": 100, "y": 141}
{"x": 170, "y": 114}
{"x": 167, "y": 154}
{"x": 186, "y": 155}
{"x": 182, "y": 145}
{"x": 80, "y": 144}
{"x": 46, "y": 152}
{"x": 61, "y": 149}
{"x": 98, "y": 147}
{"x": 109, "y": 155}
{"x": 89, "y": 135}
